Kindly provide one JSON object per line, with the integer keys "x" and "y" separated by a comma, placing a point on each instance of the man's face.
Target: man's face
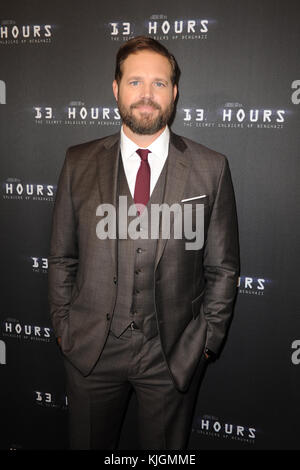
{"x": 145, "y": 94}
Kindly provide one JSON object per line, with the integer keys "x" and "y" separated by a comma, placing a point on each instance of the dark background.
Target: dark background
{"x": 243, "y": 62}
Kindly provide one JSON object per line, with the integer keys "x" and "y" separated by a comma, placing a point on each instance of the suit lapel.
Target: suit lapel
{"x": 108, "y": 166}
{"x": 178, "y": 167}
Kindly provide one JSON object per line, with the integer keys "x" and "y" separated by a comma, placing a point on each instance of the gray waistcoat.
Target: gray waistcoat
{"x": 135, "y": 294}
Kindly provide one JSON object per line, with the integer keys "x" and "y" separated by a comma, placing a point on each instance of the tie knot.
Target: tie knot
{"x": 143, "y": 153}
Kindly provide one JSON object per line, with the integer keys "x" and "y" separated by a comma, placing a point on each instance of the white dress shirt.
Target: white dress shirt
{"x": 131, "y": 160}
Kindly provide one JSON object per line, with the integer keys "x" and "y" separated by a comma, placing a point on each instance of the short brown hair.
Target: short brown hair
{"x": 141, "y": 43}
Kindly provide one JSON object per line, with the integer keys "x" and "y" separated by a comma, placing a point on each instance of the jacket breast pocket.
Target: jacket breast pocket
{"x": 196, "y": 304}
{"x": 194, "y": 203}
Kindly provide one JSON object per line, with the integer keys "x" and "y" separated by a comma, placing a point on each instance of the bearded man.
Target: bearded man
{"x": 138, "y": 312}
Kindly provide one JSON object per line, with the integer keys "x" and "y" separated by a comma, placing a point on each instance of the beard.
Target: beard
{"x": 145, "y": 124}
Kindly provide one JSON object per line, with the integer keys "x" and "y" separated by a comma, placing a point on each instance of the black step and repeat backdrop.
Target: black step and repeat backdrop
{"x": 240, "y": 95}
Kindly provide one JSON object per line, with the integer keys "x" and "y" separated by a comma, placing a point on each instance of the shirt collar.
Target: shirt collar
{"x": 160, "y": 146}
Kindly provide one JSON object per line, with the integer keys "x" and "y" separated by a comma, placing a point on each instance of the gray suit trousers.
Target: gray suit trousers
{"x": 97, "y": 402}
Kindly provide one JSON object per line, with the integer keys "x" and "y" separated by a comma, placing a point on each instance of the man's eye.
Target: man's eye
{"x": 159, "y": 84}
{"x": 134, "y": 82}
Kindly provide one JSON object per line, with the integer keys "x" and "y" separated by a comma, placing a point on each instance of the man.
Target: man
{"x": 142, "y": 313}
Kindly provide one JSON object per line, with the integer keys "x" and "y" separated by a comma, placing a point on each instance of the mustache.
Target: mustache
{"x": 148, "y": 102}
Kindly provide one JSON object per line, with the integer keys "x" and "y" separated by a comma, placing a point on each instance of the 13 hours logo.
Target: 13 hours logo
{"x": 50, "y": 400}
{"x": 2, "y": 92}
{"x": 12, "y": 33}
{"x": 12, "y": 328}
{"x": 233, "y": 115}
{"x": 214, "y": 427}
{"x": 161, "y": 27}
{"x": 39, "y": 265}
{"x": 14, "y": 188}
{"x": 78, "y": 113}
{"x": 252, "y": 285}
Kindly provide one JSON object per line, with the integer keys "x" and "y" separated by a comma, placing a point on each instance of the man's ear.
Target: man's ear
{"x": 175, "y": 90}
{"x": 115, "y": 88}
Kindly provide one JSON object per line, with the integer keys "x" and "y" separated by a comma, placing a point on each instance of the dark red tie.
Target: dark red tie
{"x": 142, "y": 183}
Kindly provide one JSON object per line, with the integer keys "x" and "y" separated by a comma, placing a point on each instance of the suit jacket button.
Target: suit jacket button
{"x": 107, "y": 316}
{"x": 115, "y": 279}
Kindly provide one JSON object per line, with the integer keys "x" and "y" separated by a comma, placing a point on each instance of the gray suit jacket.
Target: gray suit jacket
{"x": 194, "y": 290}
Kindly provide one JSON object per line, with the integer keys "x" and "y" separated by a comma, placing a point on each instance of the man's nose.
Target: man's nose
{"x": 147, "y": 90}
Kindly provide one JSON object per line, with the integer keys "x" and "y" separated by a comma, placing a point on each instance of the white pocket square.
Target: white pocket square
{"x": 193, "y": 198}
